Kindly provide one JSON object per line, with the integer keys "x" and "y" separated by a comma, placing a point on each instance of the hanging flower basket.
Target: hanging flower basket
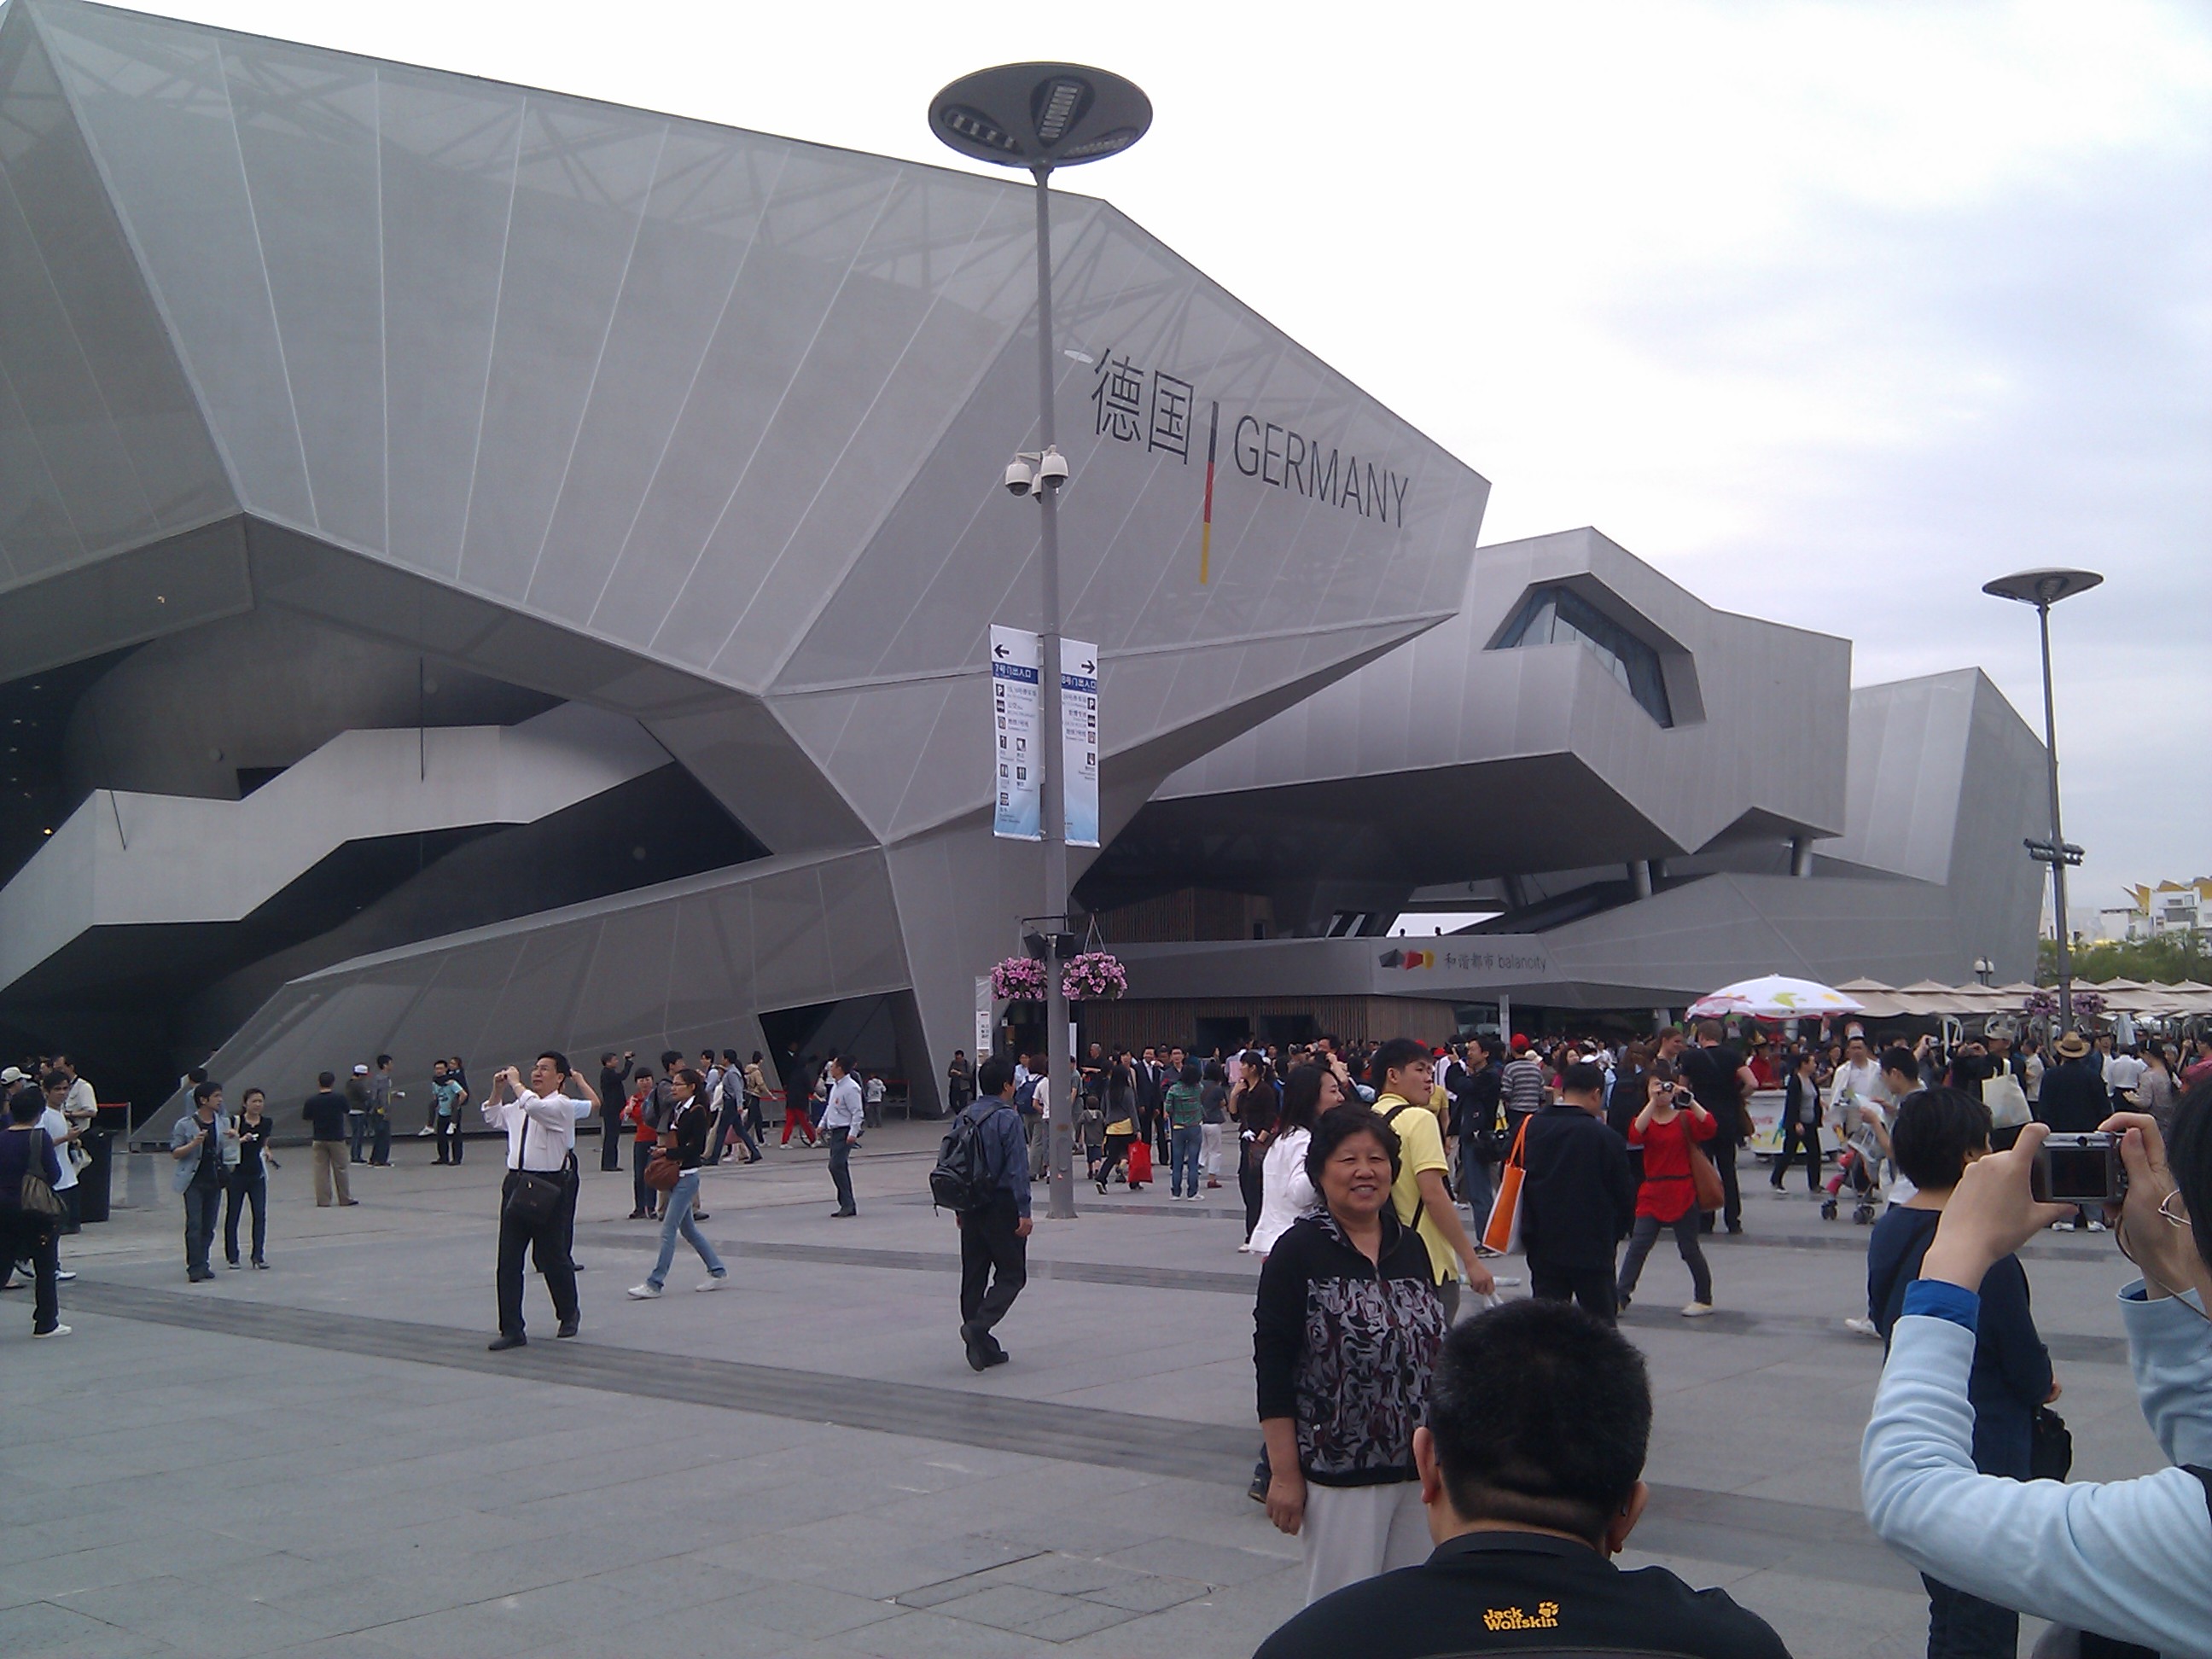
{"x": 1094, "y": 976}
{"x": 1018, "y": 979}
{"x": 2041, "y": 1004}
{"x": 2087, "y": 1005}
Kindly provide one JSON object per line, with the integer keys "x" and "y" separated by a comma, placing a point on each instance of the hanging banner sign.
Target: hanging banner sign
{"x": 1078, "y": 729}
{"x": 985, "y": 1017}
{"x": 1016, "y": 690}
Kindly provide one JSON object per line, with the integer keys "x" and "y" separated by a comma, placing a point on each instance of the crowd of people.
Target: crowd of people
{"x": 1455, "y": 1472}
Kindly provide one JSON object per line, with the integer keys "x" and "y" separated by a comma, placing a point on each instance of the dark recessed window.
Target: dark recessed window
{"x": 1559, "y": 615}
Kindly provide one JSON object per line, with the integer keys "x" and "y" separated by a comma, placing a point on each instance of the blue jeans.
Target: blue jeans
{"x": 202, "y": 1208}
{"x": 677, "y": 1218}
{"x": 1183, "y": 1142}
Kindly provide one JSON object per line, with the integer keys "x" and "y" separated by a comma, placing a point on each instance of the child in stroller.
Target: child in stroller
{"x": 1863, "y": 1165}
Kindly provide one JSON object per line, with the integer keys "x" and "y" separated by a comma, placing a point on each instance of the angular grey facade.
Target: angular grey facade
{"x": 538, "y": 401}
{"x": 1731, "y": 807}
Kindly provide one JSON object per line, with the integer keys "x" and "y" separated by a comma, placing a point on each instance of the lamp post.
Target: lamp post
{"x": 2043, "y": 589}
{"x": 1984, "y": 970}
{"x": 1041, "y": 116}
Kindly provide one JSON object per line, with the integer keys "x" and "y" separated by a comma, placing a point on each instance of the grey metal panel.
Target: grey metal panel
{"x": 306, "y": 131}
{"x": 699, "y": 224}
{"x": 1908, "y": 762}
{"x": 806, "y": 235}
{"x": 50, "y": 189}
{"x": 644, "y": 970}
{"x": 1774, "y": 706}
{"x": 155, "y": 104}
{"x": 578, "y": 201}
{"x": 447, "y": 150}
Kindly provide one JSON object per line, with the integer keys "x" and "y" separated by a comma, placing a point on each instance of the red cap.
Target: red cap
{"x": 1520, "y": 1043}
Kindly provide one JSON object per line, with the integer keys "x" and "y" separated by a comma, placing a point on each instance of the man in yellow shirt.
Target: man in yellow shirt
{"x": 1401, "y": 1074}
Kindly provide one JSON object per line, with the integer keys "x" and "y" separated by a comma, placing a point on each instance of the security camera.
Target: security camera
{"x": 1019, "y": 479}
{"x": 1052, "y": 470}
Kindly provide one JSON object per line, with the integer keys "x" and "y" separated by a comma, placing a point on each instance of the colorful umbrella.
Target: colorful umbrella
{"x": 1775, "y": 997}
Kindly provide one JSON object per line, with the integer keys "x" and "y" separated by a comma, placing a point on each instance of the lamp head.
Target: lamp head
{"x": 1040, "y": 116}
{"x": 2042, "y": 588}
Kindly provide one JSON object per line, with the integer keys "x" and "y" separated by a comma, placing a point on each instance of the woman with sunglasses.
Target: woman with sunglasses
{"x": 2130, "y": 1560}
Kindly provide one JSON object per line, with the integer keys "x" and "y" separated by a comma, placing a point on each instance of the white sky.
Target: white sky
{"x": 1832, "y": 312}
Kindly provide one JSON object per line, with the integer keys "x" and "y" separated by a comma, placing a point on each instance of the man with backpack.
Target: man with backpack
{"x": 982, "y": 1176}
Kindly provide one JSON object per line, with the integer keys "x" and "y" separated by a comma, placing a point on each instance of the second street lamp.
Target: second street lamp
{"x": 1042, "y": 116}
{"x": 2043, "y": 589}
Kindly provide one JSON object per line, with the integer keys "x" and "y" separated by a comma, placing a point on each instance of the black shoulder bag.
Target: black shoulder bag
{"x": 532, "y": 1196}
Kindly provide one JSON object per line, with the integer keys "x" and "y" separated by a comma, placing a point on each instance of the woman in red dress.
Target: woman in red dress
{"x": 1670, "y": 1121}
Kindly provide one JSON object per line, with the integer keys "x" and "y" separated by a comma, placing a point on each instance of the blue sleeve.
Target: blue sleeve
{"x": 1937, "y": 1298}
{"x": 2132, "y": 1559}
{"x": 2170, "y": 1346}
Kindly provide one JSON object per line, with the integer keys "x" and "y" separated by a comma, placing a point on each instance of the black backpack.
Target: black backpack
{"x": 959, "y": 1183}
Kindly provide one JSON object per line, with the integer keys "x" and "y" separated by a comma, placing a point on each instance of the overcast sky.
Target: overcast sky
{"x": 1830, "y": 312}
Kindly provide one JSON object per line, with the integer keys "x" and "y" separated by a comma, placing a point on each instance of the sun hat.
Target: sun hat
{"x": 2073, "y": 1045}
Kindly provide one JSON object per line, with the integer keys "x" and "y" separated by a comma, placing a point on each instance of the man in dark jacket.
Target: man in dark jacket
{"x": 995, "y": 1235}
{"x": 2074, "y": 1101}
{"x": 1723, "y": 1084}
{"x": 1577, "y": 1197}
{"x": 614, "y": 1076}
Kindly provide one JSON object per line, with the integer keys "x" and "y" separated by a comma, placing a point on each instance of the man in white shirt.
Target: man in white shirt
{"x": 61, "y": 1130}
{"x": 841, "y": 1120}
{"x": 1033, "y": 1105}
{"x": 540, "y": 1122}
{"x": 1858, "y": 1080}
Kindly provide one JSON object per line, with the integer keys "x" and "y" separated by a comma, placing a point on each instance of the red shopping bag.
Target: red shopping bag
{"x": 1140, "y": 1163}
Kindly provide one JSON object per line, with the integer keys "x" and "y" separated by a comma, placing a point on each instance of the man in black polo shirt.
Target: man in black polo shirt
{"x": 1724, "y": 1085}
{"x": 1531, "y": 1468}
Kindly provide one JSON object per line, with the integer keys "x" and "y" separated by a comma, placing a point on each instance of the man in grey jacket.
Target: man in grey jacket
{"x": 204, "y": 1144}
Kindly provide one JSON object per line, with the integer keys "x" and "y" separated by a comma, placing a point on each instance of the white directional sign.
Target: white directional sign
{"x": 1016, "y": 690}
{"x": 1078, "y": 726}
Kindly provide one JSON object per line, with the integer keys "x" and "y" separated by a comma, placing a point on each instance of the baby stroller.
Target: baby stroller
{"x": 1863, "y": 1167}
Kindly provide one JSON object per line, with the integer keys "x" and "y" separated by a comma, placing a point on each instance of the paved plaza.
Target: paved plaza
{"x": 323, "y": 1459}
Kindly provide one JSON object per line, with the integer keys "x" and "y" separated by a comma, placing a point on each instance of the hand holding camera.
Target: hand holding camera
{"x": 1992, "y": 1213}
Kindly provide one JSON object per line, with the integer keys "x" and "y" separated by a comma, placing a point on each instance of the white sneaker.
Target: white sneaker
{"x": 645, "y": 1292}
{"x": 62, "y": 1275}
{"x": 712, "y": 1282}
{"x": 1696, "y": 1310}
{"x": 1863, "y": 1328}
{"x": 58, "y": 1330}
{"x": 425, "y": 1130}
{"x": 2096, "y": 1226}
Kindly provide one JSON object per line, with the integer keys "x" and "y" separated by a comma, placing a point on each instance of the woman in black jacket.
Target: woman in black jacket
{"x": 684, "y": 1140}
{"x": 1347, "y": 1327}
{"x": 25, "y": 1147}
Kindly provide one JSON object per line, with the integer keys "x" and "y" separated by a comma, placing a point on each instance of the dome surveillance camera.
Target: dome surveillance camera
{"x": 1019, "y": 479}
{"x": 1052, "y": 470}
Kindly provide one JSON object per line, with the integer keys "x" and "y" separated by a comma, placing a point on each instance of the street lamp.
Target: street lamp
{"x": 2043, "y": 589}
{"x": 1042, "y": 116}
{"x": 1984, "y": 970}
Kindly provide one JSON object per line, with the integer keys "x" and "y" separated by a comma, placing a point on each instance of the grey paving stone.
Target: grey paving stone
{"x": 805, "y": 1609}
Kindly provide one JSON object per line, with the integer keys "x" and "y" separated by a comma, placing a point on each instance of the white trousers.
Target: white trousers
{"x": 1353, "y": 1533}
{"x": 1209, "y": 1149}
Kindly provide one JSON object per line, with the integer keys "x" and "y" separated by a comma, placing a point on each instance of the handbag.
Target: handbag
{"x": 663, "y": 1171}
{"x": 41, "y": 1206}
{"x": 1705, "y": 1180}
{"x": 532, "y": 1196}
{"x": 1503, "y": 1231}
